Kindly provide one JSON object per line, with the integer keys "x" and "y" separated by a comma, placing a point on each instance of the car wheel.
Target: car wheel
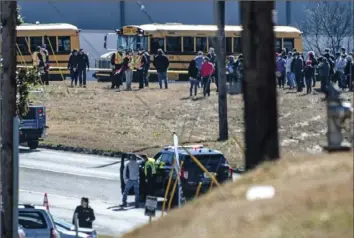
{"x": 33, "y": 144}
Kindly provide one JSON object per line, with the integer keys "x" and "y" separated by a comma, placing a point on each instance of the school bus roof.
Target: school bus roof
{"x": 182, "y": 27}
{"x": 50, "y": 26}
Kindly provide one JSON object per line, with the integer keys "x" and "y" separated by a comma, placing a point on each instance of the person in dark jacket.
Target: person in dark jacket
{"x": 308, "y": 74}
{"x": 323, "y": 73}
{"x": 347, "y": 71}
{"x": 298, "y": 67}
{"x": 141, "y": 68}
{"x": 73, "y": 65}
{"x": 193, "y": 74}
{"x": 85, "y": 214}
{"x": 147, "y": 67}
{"x": 161, "y": 64}
{"x": 314, "y": 63}
{"x": 330, "y": 59}
{"x": 83, "y": 65}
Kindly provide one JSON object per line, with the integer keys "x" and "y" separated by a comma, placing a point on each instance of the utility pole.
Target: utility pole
{"x": 8, "y": 115}
{"x": 259, "y": 87}
{"x": 122, "y": 12}
{"x": 221, "y": 56}
{"x": 288, "y": 12}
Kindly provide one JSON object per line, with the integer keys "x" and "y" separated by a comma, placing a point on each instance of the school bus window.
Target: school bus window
{"x": 155, "y": 44}
{"x": 64, "y": 44}
{"x": 278, "y": 46}
{"x": 51, "y": 41}
{"x": 173, "y": 44}
{"x": 237, "y": 45}
{"x": 228, "y": 45}
{"x": 288, "y": 44}
{"x": 35, "y": 42}
{"x": 22, "y": 45}
{"x": 188, "y": 44}
{"x": 212, "y": 42}
{"x": 201, "y": 44}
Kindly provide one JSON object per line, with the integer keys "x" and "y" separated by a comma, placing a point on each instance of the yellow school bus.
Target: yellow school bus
{"x": 181, "y": 42}
{"x": 60, "y": 39}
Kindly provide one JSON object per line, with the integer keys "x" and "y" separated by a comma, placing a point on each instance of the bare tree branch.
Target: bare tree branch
{"x": 327, "y": 24}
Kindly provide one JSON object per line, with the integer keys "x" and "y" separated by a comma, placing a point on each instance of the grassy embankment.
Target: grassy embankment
{"x": 102, "y": 121}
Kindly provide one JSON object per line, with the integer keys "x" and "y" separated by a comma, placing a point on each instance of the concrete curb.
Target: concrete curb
{"x": 81, "y": 150}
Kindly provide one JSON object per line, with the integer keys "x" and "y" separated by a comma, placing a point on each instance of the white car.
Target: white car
{"x": 67, "y": 230}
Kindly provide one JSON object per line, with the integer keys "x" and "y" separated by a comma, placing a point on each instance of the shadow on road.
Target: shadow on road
{"x": 27, "y": 150}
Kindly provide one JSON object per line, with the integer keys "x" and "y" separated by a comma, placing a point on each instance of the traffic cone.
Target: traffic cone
{"x": 45, "y": 202}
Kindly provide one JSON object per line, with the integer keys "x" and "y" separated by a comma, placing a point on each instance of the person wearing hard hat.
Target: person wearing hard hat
{"x": 150, "y": 175}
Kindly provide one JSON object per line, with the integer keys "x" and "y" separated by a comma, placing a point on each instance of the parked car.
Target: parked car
{"x": 36, "y": 222}
{"x": 67, "y": 230}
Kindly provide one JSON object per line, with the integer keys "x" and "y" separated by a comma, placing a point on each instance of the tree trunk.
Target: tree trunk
{"x": 8, "y": 111}
{"x": 259, "y": 88}
{"x": 222, "y": 88}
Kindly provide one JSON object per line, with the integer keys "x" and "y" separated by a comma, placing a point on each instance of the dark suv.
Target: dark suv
{"x": 191, "y": 175}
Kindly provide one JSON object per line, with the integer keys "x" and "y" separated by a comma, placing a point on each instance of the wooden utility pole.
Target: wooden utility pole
{"x": 221, "y": 56}
{"x": 8, "y": 113}
{"x": 259, "y": 87}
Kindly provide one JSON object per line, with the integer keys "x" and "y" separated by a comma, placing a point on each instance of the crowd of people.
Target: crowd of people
{"x": 297, "y": 72}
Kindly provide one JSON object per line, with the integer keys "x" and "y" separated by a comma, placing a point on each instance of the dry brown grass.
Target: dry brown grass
{"x": 100, "y": 118}
{"x": 313, "y": 198}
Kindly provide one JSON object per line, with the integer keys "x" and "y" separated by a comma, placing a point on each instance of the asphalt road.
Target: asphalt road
{"x": 66, "y": 177}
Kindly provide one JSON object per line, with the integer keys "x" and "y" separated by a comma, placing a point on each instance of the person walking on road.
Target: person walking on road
{"x": 83, "y": 65}
{"x": 161, "y": 64}
{"x": 131, "y": 179}
{"x": 85, "y": 214}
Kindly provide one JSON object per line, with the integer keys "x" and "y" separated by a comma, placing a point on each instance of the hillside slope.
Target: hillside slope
{"x": 313, "y": 198}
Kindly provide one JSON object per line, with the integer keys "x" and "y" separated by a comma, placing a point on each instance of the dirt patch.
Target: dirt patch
{"x": 313, "y": 198}
{"x": 100, "y": 119}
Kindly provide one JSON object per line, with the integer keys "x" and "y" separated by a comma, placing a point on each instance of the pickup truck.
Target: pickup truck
{"x": 33, "y": 126}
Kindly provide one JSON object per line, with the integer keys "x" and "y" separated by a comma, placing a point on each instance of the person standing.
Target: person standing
{"x": 150, "y": 175}
{"x": 308, "y": 74}
{"x": 323, "y": 73}
{"x": 193, "y": 73}
{"x": 161, "y": 64}
{"x": 340, "y": 68}
{"x": 289, "y": 75}
{"x": 131, "y": 179}
{"x": 199, "y": 61}
{"x": 141, "y": 68}
{"x": 212, "y": 59}
{"x": 116, "y": 62}
{"x": 207, "y": 72}
{"x": 147, "y": 68}
{"x": 73, "y": 67}
{"x": 298, "y": 66}
{"x": 314, "y": 63}
{"x": 129, "y": 67}
{"x": 83, "y": 65}
{"x": 45, "y": 56}
{"x": 85, "y": 214}
{"x": 280, "y": 73}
